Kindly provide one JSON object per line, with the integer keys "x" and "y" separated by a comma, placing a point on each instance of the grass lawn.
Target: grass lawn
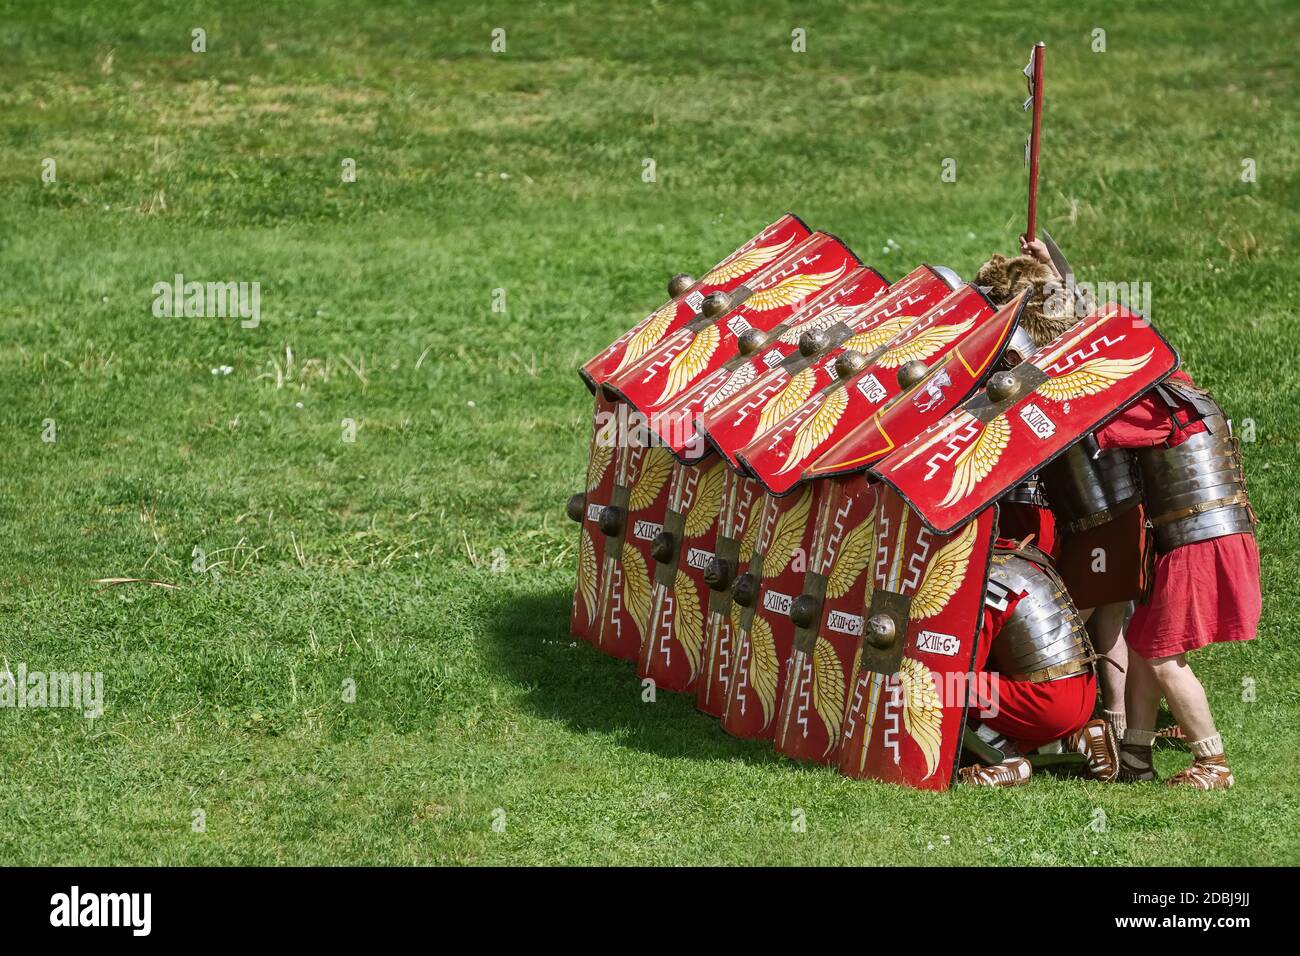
{"x": 428, "y": 563}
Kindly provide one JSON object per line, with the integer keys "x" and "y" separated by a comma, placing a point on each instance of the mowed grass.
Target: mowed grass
{"x": 430, "y": 562}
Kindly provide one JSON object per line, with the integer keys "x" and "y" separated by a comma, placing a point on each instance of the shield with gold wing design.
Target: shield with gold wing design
{"x": 730, "y": 420}
{"x": 866, "y": 379}
{"x": 738, "y": 521}
{"x": 950, "y": 381}
{"x": 760, "y": 353}
{"x": 702, "y": 346}
{"x": 688, "y": 295}
{"x": 1026, "y": 417}
{"x": 828, "y": 618}
{"x": 631, "y": 521}
{"x": 672, "y": 647}
{"x": 685, "y": 306}
{"x": 585, "y": 508}
{"x": 907, "y": 704}
{"x": 761, "y": 622}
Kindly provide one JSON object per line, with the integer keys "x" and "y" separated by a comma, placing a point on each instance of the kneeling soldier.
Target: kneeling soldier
{"x": 1034, "y": 643}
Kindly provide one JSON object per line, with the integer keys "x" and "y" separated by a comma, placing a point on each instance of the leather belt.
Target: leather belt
{"x": 1201, "y": 507}
{"x": 1099, "y": 518}
{"x": 1081, "y": 665}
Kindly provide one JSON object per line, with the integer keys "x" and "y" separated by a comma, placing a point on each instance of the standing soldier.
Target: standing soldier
{"x": 1102, "y": 548}
{"x": 1206, "y": 584}
{"x": 1106, "y": 560}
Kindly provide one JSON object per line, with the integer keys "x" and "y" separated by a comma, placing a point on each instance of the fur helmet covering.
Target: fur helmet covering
{"x": 1049, "y": 311}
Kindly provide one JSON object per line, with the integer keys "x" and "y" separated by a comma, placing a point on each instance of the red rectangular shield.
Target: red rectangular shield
{"x": 763, "y": 626}
{"x": 828, "y": 620}
{"x": 1003, "y": 434}
{"x": 905, "y": 714}
{"x": 730, "y": 422}
{"x": 676, "y": 422}
{"x": 776, "y": 240}
{"x": 778, "y": 458}
{"x": 952, "y": 380}
{"x": 673, "y": 644}
{"x": 639, "y": 500}
{"x": 737, "y": 534}
{"x": 598, "y": 492}
{"x": 700, "y": 347}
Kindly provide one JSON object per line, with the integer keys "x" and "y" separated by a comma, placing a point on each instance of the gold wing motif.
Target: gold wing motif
{"x": 708, "y": 499}
{"x": 587, "y": 573}
{"x": 922, "y": 711}
{"x": 789, "y": 291}
{"x": 734, "y": 383}
{"x": 743, "y": 263}
{"x": 925, "y": 344}
{"x": 655, "y": 469}
{"x": 794, "y": 394}
{"x": 600, "y": 458}
{"x": 1093, "y": 376}
{"x": 817, "y": 427}
{"x": 688, "y": 621}
{"x": 853, "y": 679}
{"x": 855, "y": 550}
{"x": 690, "y": 362}
{"x": 652, "y": 329}
{"x": 944, "y": 575}
{"x": 828, "y": 690}
{"x": 819, "y": 324}
{"x": 763, "y": 666}
{"x": 736, "y": 612}
{"x": 867, "y": 342}
{"x": 636, "y": 587}
{"x": 786, "y": 536}
{"x": 978, "y": 459}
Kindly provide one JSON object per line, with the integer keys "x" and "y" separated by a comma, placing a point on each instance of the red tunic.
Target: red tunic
{"x": 1031, "y": 714}
{"x": 1124, "y": 574}
{"x": 1204, "y": 592}
{"x": 1018, "y": 521}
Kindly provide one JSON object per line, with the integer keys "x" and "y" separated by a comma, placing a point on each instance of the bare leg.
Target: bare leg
{"x": 1141, "y": 700}
{"x": 1107, "y": 629}
{"x": 1141, "y": 694}
{"x": 1186, "y": 696}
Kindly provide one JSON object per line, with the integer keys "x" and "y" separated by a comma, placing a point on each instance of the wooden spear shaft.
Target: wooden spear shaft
{"x": 1034, "y": 139}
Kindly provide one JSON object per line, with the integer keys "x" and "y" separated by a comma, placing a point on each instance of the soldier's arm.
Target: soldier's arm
{"x": 1037, "y": 249}
{"x": 1144, "y": 424}
{"x": 1150, "y": 422}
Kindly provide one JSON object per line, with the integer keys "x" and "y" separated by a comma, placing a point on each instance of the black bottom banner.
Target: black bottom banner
{"x": 335, "y": 906}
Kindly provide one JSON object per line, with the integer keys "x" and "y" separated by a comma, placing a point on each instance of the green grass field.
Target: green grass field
{"x": 430, "y": 562}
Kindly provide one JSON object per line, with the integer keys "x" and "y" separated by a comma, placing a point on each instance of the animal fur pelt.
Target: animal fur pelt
{"x": 1049, "y": 311}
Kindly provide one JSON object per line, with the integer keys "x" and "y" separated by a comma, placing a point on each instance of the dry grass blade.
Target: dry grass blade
{"x": 114, "y": 582}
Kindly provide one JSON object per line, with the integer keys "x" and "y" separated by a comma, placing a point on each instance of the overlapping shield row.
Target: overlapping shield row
{"x": 790, "y": 501}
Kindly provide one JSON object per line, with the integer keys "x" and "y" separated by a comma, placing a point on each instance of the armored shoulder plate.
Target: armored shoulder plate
{"x": 1044, "y": 639}
{"x": 1088, "y": 487}
{"x": 1028, "y": 492}
{"x": 1197, "y": 490}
